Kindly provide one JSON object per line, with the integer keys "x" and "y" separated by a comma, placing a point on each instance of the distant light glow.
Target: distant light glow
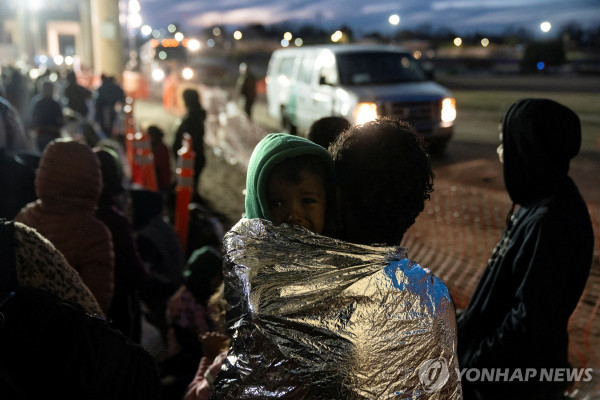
{"x": 545, "y": 26}
{"x": 337, "y": 36}
{"x": 135, "y": 20}
{"x": 53, "y": 77}
{"x": 237, "y": 35}
{"x": 541, "y": 65}
{"x": 216, "y": 31}
{"x": 35, "y": 5}
{"x": 158, "y": 75}
{"x": 69, "y": 60}
{"x": 34, "y": 73}
{"x": 417, "y": 54}
{"x": 298, "y": 42}
{"x": 43, "y": 59}
{"x": 210, "y": 43}
{"x": 134, "y": 6}
{"x": 187, "y": 73}
{"x": 58, "y": 59}
{"x": 193, "y": 45}
{"x": 156, "y": 33}
{"x": 171, "y": 28}
{"x": 162, "y": 55}
{"x": 394, "y": 19}
{"x": 179, "y": 36}
{"x": 485, "y": 42}
{"x": 287, "y": 36}
{"x": 457, "y": 41}
{"x": 284, "y": 43}
{"x": 146, "y": 30}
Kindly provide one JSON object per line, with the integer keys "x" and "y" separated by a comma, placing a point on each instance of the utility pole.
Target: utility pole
{"x": 107, "y": 38}
{"x": 84, "y": 49}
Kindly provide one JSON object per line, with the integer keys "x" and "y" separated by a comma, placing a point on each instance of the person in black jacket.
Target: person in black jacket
{"x": 192, "y": 123}
{"x": 518, "y": 315}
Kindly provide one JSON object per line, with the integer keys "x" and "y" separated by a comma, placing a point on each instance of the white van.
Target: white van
{"x": 359, "y": 83}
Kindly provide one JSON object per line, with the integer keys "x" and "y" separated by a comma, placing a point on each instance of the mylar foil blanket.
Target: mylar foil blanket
{"x": 317, "y": 318}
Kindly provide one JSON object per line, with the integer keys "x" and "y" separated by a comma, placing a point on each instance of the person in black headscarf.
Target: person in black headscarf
{"x": 518, "y": 315}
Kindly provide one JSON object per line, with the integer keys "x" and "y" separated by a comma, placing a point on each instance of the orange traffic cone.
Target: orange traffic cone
{"x": 143, "y": 173}
{"x": 184, "y": 188}
{"x": 130, "y": 129}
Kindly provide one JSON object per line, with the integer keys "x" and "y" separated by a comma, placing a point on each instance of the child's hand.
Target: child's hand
{"x": 213, "y": 343}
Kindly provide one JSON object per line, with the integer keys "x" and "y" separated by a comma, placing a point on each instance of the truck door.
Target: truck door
{"x": 325, "y": 81}
{"x": 305, "y": 85}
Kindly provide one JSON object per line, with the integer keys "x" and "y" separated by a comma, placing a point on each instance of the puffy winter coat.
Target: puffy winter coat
{"x": 68, "y": 183}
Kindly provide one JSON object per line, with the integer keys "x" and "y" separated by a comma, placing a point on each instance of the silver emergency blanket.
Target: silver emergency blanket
{"x": 317, "y": 318}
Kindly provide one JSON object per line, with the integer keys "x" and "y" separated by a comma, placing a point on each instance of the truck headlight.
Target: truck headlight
{"x": 448, "y": 109}
{"x": 365, "y": 112}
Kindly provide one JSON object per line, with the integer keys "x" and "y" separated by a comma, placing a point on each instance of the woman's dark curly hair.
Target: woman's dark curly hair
{"x": 385, "y": 176}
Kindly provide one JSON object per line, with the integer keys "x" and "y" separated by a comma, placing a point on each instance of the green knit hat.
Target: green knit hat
{"x": 270, "y": 151}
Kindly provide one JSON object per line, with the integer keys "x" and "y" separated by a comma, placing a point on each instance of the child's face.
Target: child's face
{"x": 301, "y": 203}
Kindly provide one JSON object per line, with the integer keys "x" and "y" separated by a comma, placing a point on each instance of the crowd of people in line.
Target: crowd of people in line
{"x": 307, "y": 296}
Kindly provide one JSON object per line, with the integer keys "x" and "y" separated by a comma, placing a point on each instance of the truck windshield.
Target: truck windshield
{"x": 375, "y": 68}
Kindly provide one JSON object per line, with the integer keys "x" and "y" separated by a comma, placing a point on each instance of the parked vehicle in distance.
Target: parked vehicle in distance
{"x": 359, "y": 83}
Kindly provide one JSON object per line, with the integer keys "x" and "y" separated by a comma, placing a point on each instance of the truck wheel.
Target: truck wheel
{"x": 286, "y": 124}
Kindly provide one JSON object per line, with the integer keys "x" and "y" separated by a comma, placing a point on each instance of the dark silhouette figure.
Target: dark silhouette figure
{"x": 46, "y": 116}
{"x": 162, "y": 159}
{"x": 247, "y": 88}
{"x": 76, "y": 96}
{"x": 125, "y": 307}
{"x": 17, "y": 90}
{"x": 518, "y": 314}
{"x": 325, "y": 130}
{"x": 17, "y": 163}
{"x": 108, "y": 94}
{"x": 192, "y": 123}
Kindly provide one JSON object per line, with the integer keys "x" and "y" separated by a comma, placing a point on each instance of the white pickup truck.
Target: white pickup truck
{"x": 359, "y": 83}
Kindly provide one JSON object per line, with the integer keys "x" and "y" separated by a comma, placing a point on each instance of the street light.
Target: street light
{"x": 545, "y": 26}
{"x": 193, "y": 45}
{"x": 146, "y": 30}
{"x": 337, "y": 36}
{"x": 394, "y": 19}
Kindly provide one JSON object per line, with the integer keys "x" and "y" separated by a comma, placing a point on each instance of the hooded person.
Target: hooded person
{"x": 68, "y": 183}
{"x": 275, "y": 150}
{"x": 518, "y": 314}
{"x": 314, "y": 317}
{"x": 130, "y": 272}
{"x": 188, "y": 316}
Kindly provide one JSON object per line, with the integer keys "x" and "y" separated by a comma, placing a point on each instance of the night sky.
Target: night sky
{"x": 462, "y": 16}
